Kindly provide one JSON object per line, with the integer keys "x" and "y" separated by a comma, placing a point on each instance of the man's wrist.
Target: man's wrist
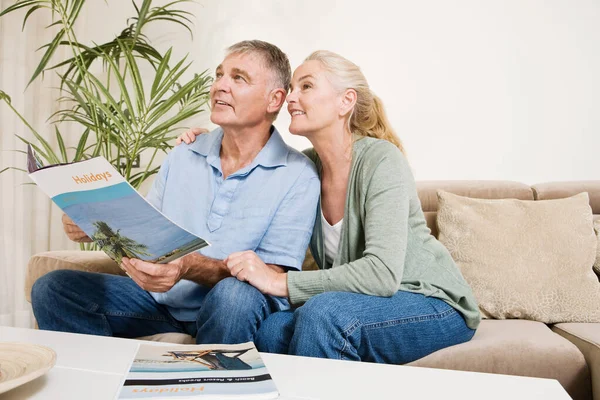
{"x": 203, "y": 270}
{"x": 280, "y": 287}
{"x": 185, "y": 266}
{"x": 190, "y": 264}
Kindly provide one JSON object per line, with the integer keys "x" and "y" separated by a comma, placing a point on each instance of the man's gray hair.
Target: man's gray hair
{"x": 275, "y": 59}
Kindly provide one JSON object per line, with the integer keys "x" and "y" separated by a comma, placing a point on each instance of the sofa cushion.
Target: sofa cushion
{"x": 90, "y": 261}
{"x": 525, "y": 259}
{"x": 587, "y": 339}
{"x": 517, "y": 347}
{"x": 309, "y": 263}
{"x": 427, "y": 191}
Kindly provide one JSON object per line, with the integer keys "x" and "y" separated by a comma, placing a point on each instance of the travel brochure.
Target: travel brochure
{"x": 111, "y": 212}
{"x": 161, "y": 371}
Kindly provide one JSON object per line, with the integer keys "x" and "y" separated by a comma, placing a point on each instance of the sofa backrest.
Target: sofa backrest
{"x": 559, "y": 190}
{"x": 427, "y": 191}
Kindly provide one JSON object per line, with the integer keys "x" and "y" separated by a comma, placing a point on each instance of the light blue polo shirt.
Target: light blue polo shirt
{"x": 268, "y": 207}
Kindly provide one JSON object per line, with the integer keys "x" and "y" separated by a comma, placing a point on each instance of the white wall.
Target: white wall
{"x": 476, "y": 89}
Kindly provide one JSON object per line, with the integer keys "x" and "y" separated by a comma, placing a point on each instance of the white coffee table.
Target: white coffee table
{"x": 92, "y": 367}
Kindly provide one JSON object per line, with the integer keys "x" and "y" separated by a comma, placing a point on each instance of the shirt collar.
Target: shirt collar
{"x": 273, "y": 154}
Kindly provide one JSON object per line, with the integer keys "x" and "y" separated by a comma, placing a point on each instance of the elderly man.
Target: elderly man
{"x": 241, "y": 188}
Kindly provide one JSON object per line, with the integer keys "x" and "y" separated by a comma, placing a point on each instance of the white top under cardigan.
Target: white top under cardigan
{"x": 331, "y": 235}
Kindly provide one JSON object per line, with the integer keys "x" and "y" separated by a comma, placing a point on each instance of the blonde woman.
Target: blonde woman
{"x": 386, "y": 290}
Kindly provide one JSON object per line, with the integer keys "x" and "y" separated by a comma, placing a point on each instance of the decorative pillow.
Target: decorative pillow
{"x": 597, "y": 264}
{"x": 525, "y": 259}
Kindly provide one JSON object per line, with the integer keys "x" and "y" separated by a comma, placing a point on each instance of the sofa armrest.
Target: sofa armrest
{"x": 586, "y": 336}
{"x": 90, "y": 261}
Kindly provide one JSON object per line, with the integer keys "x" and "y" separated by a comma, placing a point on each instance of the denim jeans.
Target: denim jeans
{"x": 111, "y": 305}
{"x": 350, "y": 326}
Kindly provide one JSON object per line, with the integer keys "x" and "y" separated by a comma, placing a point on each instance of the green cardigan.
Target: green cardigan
{"x": 385, "y": 244}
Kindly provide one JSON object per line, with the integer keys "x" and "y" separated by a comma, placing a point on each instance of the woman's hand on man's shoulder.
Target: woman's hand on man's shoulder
{"x": 189, "y": 136}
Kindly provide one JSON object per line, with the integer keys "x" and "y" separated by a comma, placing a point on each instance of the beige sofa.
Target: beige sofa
{"x": 568, "y": 352}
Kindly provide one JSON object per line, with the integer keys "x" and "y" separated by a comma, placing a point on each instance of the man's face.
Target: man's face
{"x": 240, "y": 93}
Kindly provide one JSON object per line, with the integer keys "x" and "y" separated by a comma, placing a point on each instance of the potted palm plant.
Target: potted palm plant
{"x": 122, "y": 112}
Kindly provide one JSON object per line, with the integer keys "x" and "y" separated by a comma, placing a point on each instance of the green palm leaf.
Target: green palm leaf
{"x": 47, "y": 55}
{"x": 21, "y": 4}
{"x": 61, "y": 145}
{"x": 122, "y": 113}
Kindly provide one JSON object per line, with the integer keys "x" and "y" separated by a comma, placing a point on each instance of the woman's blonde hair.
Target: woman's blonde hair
{"x": 368, "y": 116}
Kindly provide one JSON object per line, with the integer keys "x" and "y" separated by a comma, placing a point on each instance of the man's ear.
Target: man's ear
{"x": 348, "y": 101}
{"x": 276, "y": 100}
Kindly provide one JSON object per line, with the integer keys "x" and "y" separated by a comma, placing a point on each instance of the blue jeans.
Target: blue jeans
{"x": 111, "y": 305}
{"x": 350, "y": 326}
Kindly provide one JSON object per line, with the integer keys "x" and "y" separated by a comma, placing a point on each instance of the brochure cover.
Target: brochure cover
{"x": 198, "y": 371}
{"x": 111, "y": 212}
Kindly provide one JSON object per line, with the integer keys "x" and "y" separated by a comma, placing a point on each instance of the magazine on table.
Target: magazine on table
{"x": 161, "y": 371}
{"x": 111, "y": 212}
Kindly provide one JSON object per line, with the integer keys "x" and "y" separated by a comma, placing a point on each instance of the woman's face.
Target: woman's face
{"x": 313, "y": 102}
